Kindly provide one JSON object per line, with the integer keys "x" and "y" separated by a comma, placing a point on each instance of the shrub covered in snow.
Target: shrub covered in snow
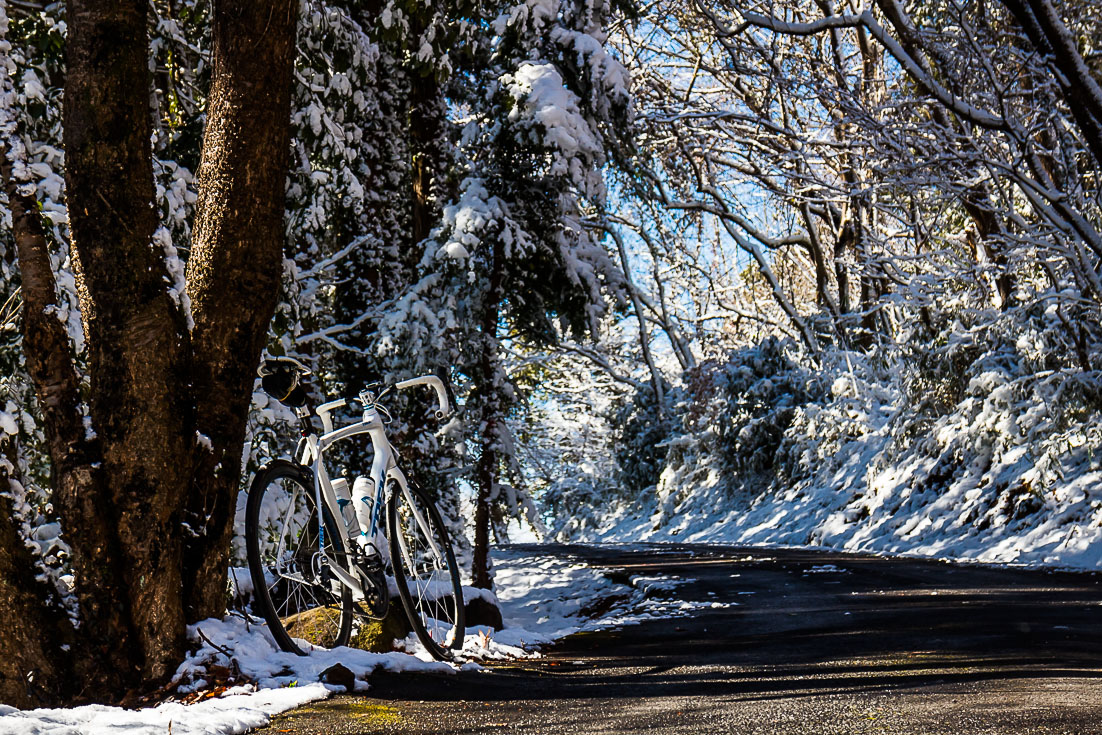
{"x": 639, "y": 445}
{"x": 981, "y": 443}
{"x": 732, "y": 421}
{"x": 759, "y": 392}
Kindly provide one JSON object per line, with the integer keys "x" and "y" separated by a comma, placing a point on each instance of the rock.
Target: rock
{"x": 379, "y": 635}
{"x": 316, "y": 626}
{"x": 481, "y": 611}
{"x": 339, "y": 675}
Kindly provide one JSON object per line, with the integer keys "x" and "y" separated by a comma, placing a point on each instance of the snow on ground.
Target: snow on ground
{"x": 547, "y": 597}
{"x": 543, "y": 598}
{"x": 234, "y": 712}
{"x": 259, "y": 659}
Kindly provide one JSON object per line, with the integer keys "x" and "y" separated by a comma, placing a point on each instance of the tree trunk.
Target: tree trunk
{"x": 137, "y": 345}
{"x": 30, "y": 649}
{"x": 977, "y": 203}
{"x": 487, "y": 476}
{"x": 491, "y": 417}
{"x": 823, "y": 296}
{"x": 125, "y": 534}
{"x": 426, "y": 134}
{"x": 233, "y": 274}
{"x": 78, "y": 495}
{"x": 843, "y": 243}
{"x": 1053, "y": 40}
{"x": 46, "y": 345}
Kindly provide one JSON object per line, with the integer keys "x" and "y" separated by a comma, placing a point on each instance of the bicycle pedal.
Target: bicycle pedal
{"x": 371, "y": 564}
{"x": 374, "y": 605}
{"x": 369, "y": 559}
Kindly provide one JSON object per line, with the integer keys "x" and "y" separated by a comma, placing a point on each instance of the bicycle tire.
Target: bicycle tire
{"x": 279, "y": 513}
{"x": 434, "y": 605}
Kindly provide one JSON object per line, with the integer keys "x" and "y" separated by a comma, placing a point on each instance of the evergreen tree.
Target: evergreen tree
{"x": 512, "y": 264}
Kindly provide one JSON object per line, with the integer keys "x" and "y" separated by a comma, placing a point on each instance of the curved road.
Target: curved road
{"x": 819, "y": 642}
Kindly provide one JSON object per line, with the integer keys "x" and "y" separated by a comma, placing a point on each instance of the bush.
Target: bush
{"x": 639, "y": 445}
{"x": 761, "y": 389}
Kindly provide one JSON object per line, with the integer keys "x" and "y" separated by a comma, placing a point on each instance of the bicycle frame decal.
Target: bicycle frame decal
{"x": 383, "y": 468}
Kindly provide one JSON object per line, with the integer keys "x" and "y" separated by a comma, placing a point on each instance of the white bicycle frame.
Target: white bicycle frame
{"x": 385, "y": 475}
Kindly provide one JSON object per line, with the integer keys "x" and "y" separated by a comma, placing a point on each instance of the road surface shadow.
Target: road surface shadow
{"x": 876, "y": 625}
{"x": 802, "y": 643}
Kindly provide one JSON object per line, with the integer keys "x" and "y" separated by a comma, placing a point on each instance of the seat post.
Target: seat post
{"x": 306, "y": 426}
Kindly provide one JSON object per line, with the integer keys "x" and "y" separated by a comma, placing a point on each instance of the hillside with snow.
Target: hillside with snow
{"x": 767, "y": 452}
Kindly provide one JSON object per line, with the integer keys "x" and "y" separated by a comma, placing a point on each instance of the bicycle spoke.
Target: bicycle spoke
{"x": 287, "y": 552}
{"x": 286, "y": 524}
{"x": 427, "y": 578}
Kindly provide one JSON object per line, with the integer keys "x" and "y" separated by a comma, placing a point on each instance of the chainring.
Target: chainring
{"x": 372, "y": 575}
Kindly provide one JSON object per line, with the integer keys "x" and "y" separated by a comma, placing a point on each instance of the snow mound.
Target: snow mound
{"x": 543, "y": 598}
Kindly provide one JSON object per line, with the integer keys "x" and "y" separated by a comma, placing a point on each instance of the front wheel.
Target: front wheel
{"x": 290, "y": 548}
{"x": 425, "y": 571}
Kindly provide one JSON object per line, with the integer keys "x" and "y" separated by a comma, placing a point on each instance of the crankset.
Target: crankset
{"x": 369, "y": 565}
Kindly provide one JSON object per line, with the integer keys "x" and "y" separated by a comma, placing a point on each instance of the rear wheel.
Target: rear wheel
{"x": 425, "y": 571}
{"x": 289, "y": 548}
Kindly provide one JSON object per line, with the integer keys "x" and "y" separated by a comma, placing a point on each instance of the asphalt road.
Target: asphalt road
{"x": 867, "y": 645}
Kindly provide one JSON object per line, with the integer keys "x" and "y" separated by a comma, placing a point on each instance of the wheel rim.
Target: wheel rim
{"x": 419, "y": 546}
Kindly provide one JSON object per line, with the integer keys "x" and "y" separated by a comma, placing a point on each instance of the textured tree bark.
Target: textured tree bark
{"x": 45, "y": 341}
{"x": 486, "y": 475}
{"x": 31, "y": 674}
{"x": 79, "y": 497}
{"x": 120, "y": 488}
{"x": 233, "y": 274}
{"x": 137, "y": 346}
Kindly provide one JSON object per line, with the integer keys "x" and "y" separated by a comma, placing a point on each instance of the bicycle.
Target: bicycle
{"x": 325, "y": 569}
